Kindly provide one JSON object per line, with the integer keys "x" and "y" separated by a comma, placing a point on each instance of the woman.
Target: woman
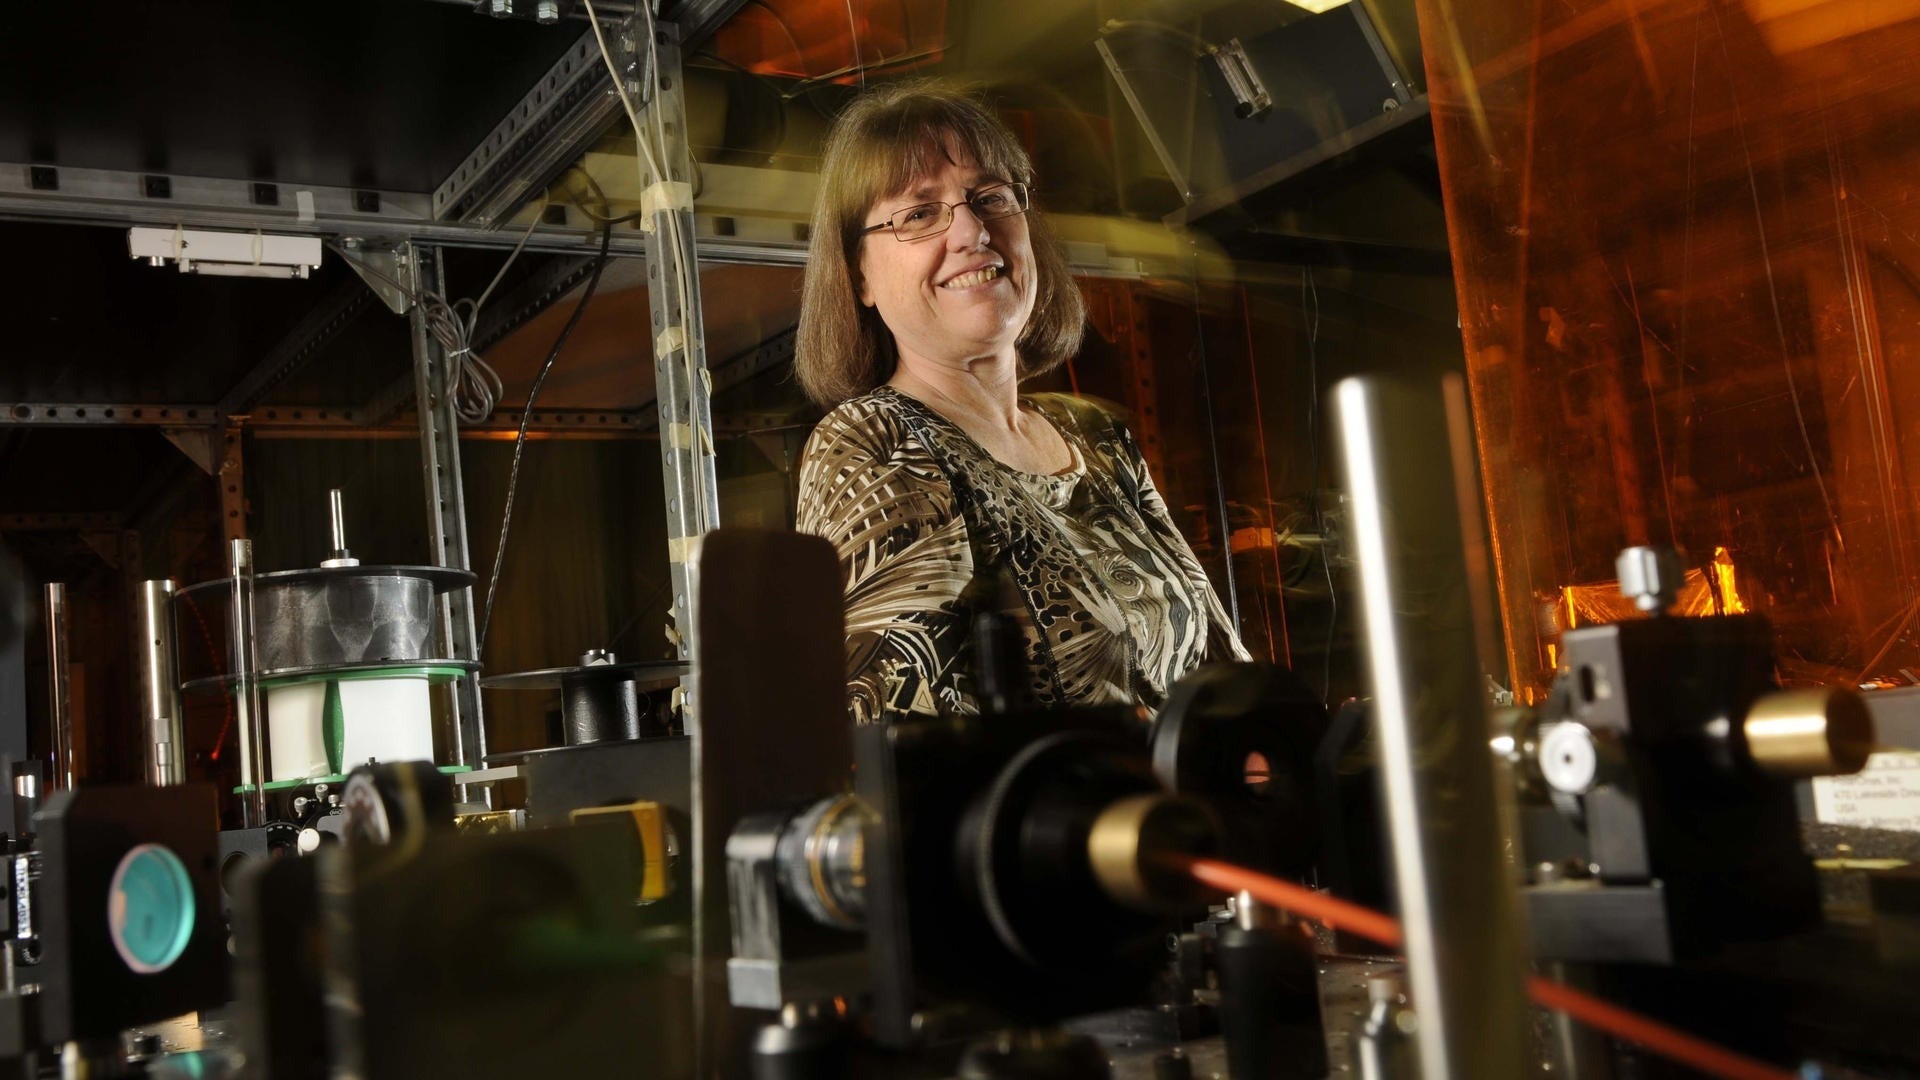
{"x": 931, "y": 293}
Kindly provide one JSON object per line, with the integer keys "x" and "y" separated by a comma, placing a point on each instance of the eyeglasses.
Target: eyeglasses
{"x": 934, "y": 218}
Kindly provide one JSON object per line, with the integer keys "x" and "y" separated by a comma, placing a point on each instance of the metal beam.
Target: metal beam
{"x": 562, "y": 115}
{"x": 547, "y": 130}
{"x": 106, "y": 414}
{"x": 119, "y": 198}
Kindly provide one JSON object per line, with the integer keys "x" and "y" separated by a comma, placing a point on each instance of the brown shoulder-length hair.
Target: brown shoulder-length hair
{"x": 884, "y": 141}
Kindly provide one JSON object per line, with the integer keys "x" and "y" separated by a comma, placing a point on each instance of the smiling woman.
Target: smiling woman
{"x": 935, "y": 288}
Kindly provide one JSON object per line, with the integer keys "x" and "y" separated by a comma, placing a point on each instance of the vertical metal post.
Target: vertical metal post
{"x": 446, "y": 503}
{"x": 684, "y": 397}
{"x": 337, "y": 521}
{"x": 161, "y": 718}
{"x": 58, "y": 701}
{"x": 246, "y": 685}
{"x": 1411, "y": 510}
{"x": 679, "y": 348}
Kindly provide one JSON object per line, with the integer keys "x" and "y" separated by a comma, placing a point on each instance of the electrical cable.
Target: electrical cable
{"x": 472, "y": 384}
{"x": 520, "y": 439}
{"x": 1624, "y": 1024}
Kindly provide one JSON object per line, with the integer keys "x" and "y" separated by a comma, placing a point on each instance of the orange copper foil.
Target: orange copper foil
{"x": 1686, "y": 237}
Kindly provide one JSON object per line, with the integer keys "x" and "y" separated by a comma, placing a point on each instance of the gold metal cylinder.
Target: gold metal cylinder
{"x": 1817, "y": 731}
{"x": 1129, "y": 834}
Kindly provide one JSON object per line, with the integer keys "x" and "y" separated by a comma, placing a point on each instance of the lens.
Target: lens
{"x": 150, "y": 908}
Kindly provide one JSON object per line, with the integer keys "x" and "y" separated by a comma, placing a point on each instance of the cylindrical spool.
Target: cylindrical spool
{"x": 599, "y": 706}
{"x": 342, "y": 618}
{"x": 160, "y": 686}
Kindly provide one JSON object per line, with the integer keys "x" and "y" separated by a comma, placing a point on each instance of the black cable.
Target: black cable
{"x": 520, "y": 440}
{"x": 1213, "y": 453}
{"x": 1312, "y": 327}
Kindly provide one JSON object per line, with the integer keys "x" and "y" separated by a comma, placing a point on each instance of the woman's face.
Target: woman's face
{"x": 960, "y": 296}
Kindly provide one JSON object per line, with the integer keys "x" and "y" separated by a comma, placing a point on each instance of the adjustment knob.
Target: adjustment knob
{"x": 1650, "y": 577}
{"x": 1569, "y": 758}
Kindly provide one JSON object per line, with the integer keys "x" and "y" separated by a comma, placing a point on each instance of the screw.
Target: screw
{"x": 548, "y": 12}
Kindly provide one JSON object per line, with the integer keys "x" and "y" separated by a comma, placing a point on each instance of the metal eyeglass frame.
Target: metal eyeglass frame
{"x": 1022, "y": 198}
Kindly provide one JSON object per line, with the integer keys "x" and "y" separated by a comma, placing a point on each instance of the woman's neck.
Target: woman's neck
{"x": 984, "y": 395}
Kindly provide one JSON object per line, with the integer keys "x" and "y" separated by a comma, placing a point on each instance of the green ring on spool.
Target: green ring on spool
{"x": 284, "y": 785}
{"x": 433, "y": 674}
{"x": 150, "y": 908}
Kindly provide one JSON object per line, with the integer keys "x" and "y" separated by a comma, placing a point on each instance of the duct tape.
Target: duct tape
{"x": 677, "y": 436}
{"x": 303, "y": 201}
{"x": 670, "y": 341}
{"x": 670, "y": 196}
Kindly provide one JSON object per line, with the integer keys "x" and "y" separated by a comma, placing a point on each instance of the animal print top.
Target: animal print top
{"x": 1116, "y": 606}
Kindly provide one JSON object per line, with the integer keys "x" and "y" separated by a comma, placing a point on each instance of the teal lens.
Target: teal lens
{"x": 150, "y": 908}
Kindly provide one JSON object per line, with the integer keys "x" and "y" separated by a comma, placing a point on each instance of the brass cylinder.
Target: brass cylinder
{"x": 1818, "y": 731}
{"x": 1130, "y": 834}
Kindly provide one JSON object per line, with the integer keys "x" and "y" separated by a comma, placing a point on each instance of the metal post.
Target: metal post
{"x": 337, "y": 517}
{"x": 679, "y": 349}
{"x": 58, "y": 702}
{"x": 446, "y": 504}
{"x": 683, "y": 393}
{"x": 1412, "y": 508}
{"x": 161, "y": 718}
{"x": 246, "y": 685}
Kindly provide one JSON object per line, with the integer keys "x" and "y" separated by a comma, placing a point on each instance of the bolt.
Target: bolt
{"x": 1389, "y": 105}
{"x": 501, "y": 9}
{"x": 548, "y": 12}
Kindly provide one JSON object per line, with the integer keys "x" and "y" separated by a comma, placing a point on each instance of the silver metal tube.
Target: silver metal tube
{"x": 1412, "y": 520}
{"x": 59, "y": 702}
{"x": 337, "y": 517}
{"x": 160, "y": 714}
{"x": 246, "y": 687}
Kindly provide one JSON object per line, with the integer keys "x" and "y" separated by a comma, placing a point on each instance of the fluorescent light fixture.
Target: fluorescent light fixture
{"x": 226, "y": 254}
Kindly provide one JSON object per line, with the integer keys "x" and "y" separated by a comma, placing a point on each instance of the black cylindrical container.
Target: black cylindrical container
{"x": 1270, "y": 1003}
{"x": 599, "y": 705}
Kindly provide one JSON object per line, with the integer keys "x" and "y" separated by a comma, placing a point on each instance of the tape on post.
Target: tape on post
{"x": 683, "y": 548}
{"x": 670, "y": 341}
{"x": 671, "y": 196}
{"x": 678, "y": 436}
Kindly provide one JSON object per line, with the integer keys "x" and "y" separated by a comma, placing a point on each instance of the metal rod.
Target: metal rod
{"x": 161, "y": 717}
{"x": 337, "y": 516}
{"x": 1418, "y": 612}
{"x": 59, "y": 704}
{"x": 246, "y": 688}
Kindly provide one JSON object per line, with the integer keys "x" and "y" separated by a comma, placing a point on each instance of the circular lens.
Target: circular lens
{"x": 150, "y": 908}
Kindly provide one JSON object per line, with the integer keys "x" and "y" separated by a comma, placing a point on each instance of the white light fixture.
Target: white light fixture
{"x": 226, "y": 254}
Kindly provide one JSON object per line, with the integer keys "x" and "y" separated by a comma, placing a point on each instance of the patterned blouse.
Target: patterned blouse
{"x": 1116, "y": 606}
